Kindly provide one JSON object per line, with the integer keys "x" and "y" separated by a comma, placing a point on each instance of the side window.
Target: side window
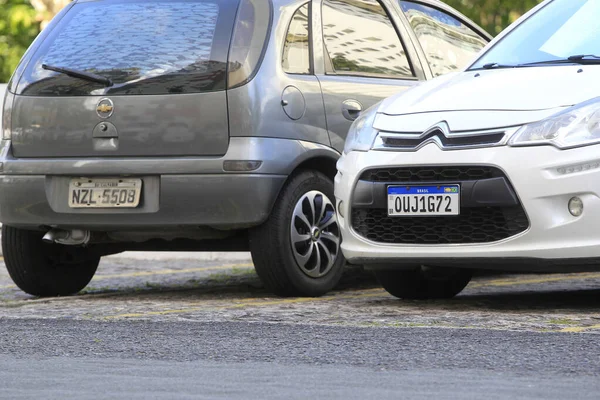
{"x": 448, "y": 43}
{"x": 296, "y": 50}
{"x": 360, "y": 39}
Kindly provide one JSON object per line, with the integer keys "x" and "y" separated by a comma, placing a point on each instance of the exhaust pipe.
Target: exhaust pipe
{"x": 75, "y": 237}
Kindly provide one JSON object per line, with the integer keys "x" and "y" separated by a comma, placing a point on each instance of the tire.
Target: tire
{"x": 424, "y": 282}
{"x": 295, "y": 255}
{"x": 43, "y": 269}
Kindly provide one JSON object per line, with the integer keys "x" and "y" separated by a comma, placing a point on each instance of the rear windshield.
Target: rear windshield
{"x": 145, "y": 47}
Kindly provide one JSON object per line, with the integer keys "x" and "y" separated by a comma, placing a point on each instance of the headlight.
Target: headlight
{"x": 576, "y": 126}
{"x": 361, "y": 134}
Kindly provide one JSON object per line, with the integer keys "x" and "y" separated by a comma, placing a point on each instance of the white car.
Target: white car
{"x": 494, "y": 167}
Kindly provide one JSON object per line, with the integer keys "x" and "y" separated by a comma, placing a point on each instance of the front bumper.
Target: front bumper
{"x": 544, "y": 179}
{"x": 177, "y": 191}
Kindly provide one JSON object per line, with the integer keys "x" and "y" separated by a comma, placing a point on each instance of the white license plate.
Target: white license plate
{"x": 104, "y": 193}
{"x": 423, "y": 200}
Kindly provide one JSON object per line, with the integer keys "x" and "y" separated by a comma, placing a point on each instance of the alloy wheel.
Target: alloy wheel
{"x": 315, "y": 234}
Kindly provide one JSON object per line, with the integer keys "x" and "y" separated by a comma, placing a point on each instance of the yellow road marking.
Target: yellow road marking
{"x": 356, "y": 295}
{"x": 577, "y": 329}
{"x": 160, "y": 272}
{"x": 527, "y": 281}
{"x": 496, "y": 282}
{"x": 171, "y": 271}
{"x": 250, "y": 303}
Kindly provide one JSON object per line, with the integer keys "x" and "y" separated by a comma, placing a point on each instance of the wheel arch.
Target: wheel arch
{"x": 321, "y": 158}
{"x": 312, "y": 156}
{"x": 325, "y": 165}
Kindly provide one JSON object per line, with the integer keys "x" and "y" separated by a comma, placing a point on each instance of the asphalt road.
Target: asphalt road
{"x": 177, "y": 327}
{"x": 84, "y": 359}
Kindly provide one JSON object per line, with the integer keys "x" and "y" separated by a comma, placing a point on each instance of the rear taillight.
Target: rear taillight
{"x": 249, "y": 41}
{"x": 7, "y": 115}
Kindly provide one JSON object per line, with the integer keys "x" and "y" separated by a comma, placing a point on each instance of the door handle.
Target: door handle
{"x": 351, "y": 109}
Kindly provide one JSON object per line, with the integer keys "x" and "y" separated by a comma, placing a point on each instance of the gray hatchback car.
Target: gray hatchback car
{"x": 201, "y": 125}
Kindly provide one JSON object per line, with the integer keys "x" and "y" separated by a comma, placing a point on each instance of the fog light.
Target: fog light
{"x": 576, "y": 206}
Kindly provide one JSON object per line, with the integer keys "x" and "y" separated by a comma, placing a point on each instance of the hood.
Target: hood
{"x": 513, "y": 89}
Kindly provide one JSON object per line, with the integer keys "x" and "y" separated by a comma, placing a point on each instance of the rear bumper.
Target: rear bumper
{"x": 177, "y": 191}
{"x": 218, "y": 201}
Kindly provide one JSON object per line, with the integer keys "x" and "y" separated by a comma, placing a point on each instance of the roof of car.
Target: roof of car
{"x": 433, "y": 3}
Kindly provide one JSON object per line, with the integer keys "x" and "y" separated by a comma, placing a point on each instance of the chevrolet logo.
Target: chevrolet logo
{"x": 104, "y": 108}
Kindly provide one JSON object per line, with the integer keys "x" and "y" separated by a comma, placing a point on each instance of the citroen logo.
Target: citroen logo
{"x": 440, "y": 128}
{"x": 105, "y": 108}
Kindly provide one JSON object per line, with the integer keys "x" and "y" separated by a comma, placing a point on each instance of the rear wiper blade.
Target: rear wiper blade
{"x": 88, "y": 76}
{"x": 586, "y": 59}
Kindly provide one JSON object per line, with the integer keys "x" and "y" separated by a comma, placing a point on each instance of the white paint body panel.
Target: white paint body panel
{"x": 521, "y": 89}
{"x": 496, "y": 98}
{"x": 533, "y": 171}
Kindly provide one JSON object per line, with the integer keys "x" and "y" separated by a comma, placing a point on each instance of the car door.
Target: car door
{"x": 360, "y": 58}
{"x": 301, "y": 97}
{"x": 449, "y": 42}
{"x": 284, "y": 99}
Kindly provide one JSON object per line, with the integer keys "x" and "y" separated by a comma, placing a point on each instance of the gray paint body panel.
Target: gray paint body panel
{"x": 33, "y": 192}
{"x": 278, "y": 156}
{"x": 164, "y": 125}
{"x": 220, "y": 201}
{"x": 256, "y": 109}
{"x": 367, "y": 91}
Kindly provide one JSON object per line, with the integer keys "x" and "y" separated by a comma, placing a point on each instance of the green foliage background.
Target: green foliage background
{"x": 19, "y": 24}
{"x": 18, "y": 28}
{"x": 493, "y": 15}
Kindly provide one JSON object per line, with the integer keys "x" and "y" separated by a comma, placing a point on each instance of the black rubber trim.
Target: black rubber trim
{"x": 448, "y": 173}
{"x": 518, "y": 264}
{"x": 490, "y": 209}
{"x": 494, "y": 192}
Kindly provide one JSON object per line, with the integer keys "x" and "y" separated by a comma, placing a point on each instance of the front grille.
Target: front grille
{"x": 403, "y": 142}
{"x": 473, "y": 225}
{"x": 431, "y": 174}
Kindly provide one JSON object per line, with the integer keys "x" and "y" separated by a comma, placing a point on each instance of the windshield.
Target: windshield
{"x": 560, "y": 29}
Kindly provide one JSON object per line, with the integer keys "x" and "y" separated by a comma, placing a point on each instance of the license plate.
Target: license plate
{"x": 104, "y": 193}
{"x": 423, "y": 200}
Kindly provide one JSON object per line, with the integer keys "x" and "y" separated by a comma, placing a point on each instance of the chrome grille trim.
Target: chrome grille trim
{"x": 443, "y": 138}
